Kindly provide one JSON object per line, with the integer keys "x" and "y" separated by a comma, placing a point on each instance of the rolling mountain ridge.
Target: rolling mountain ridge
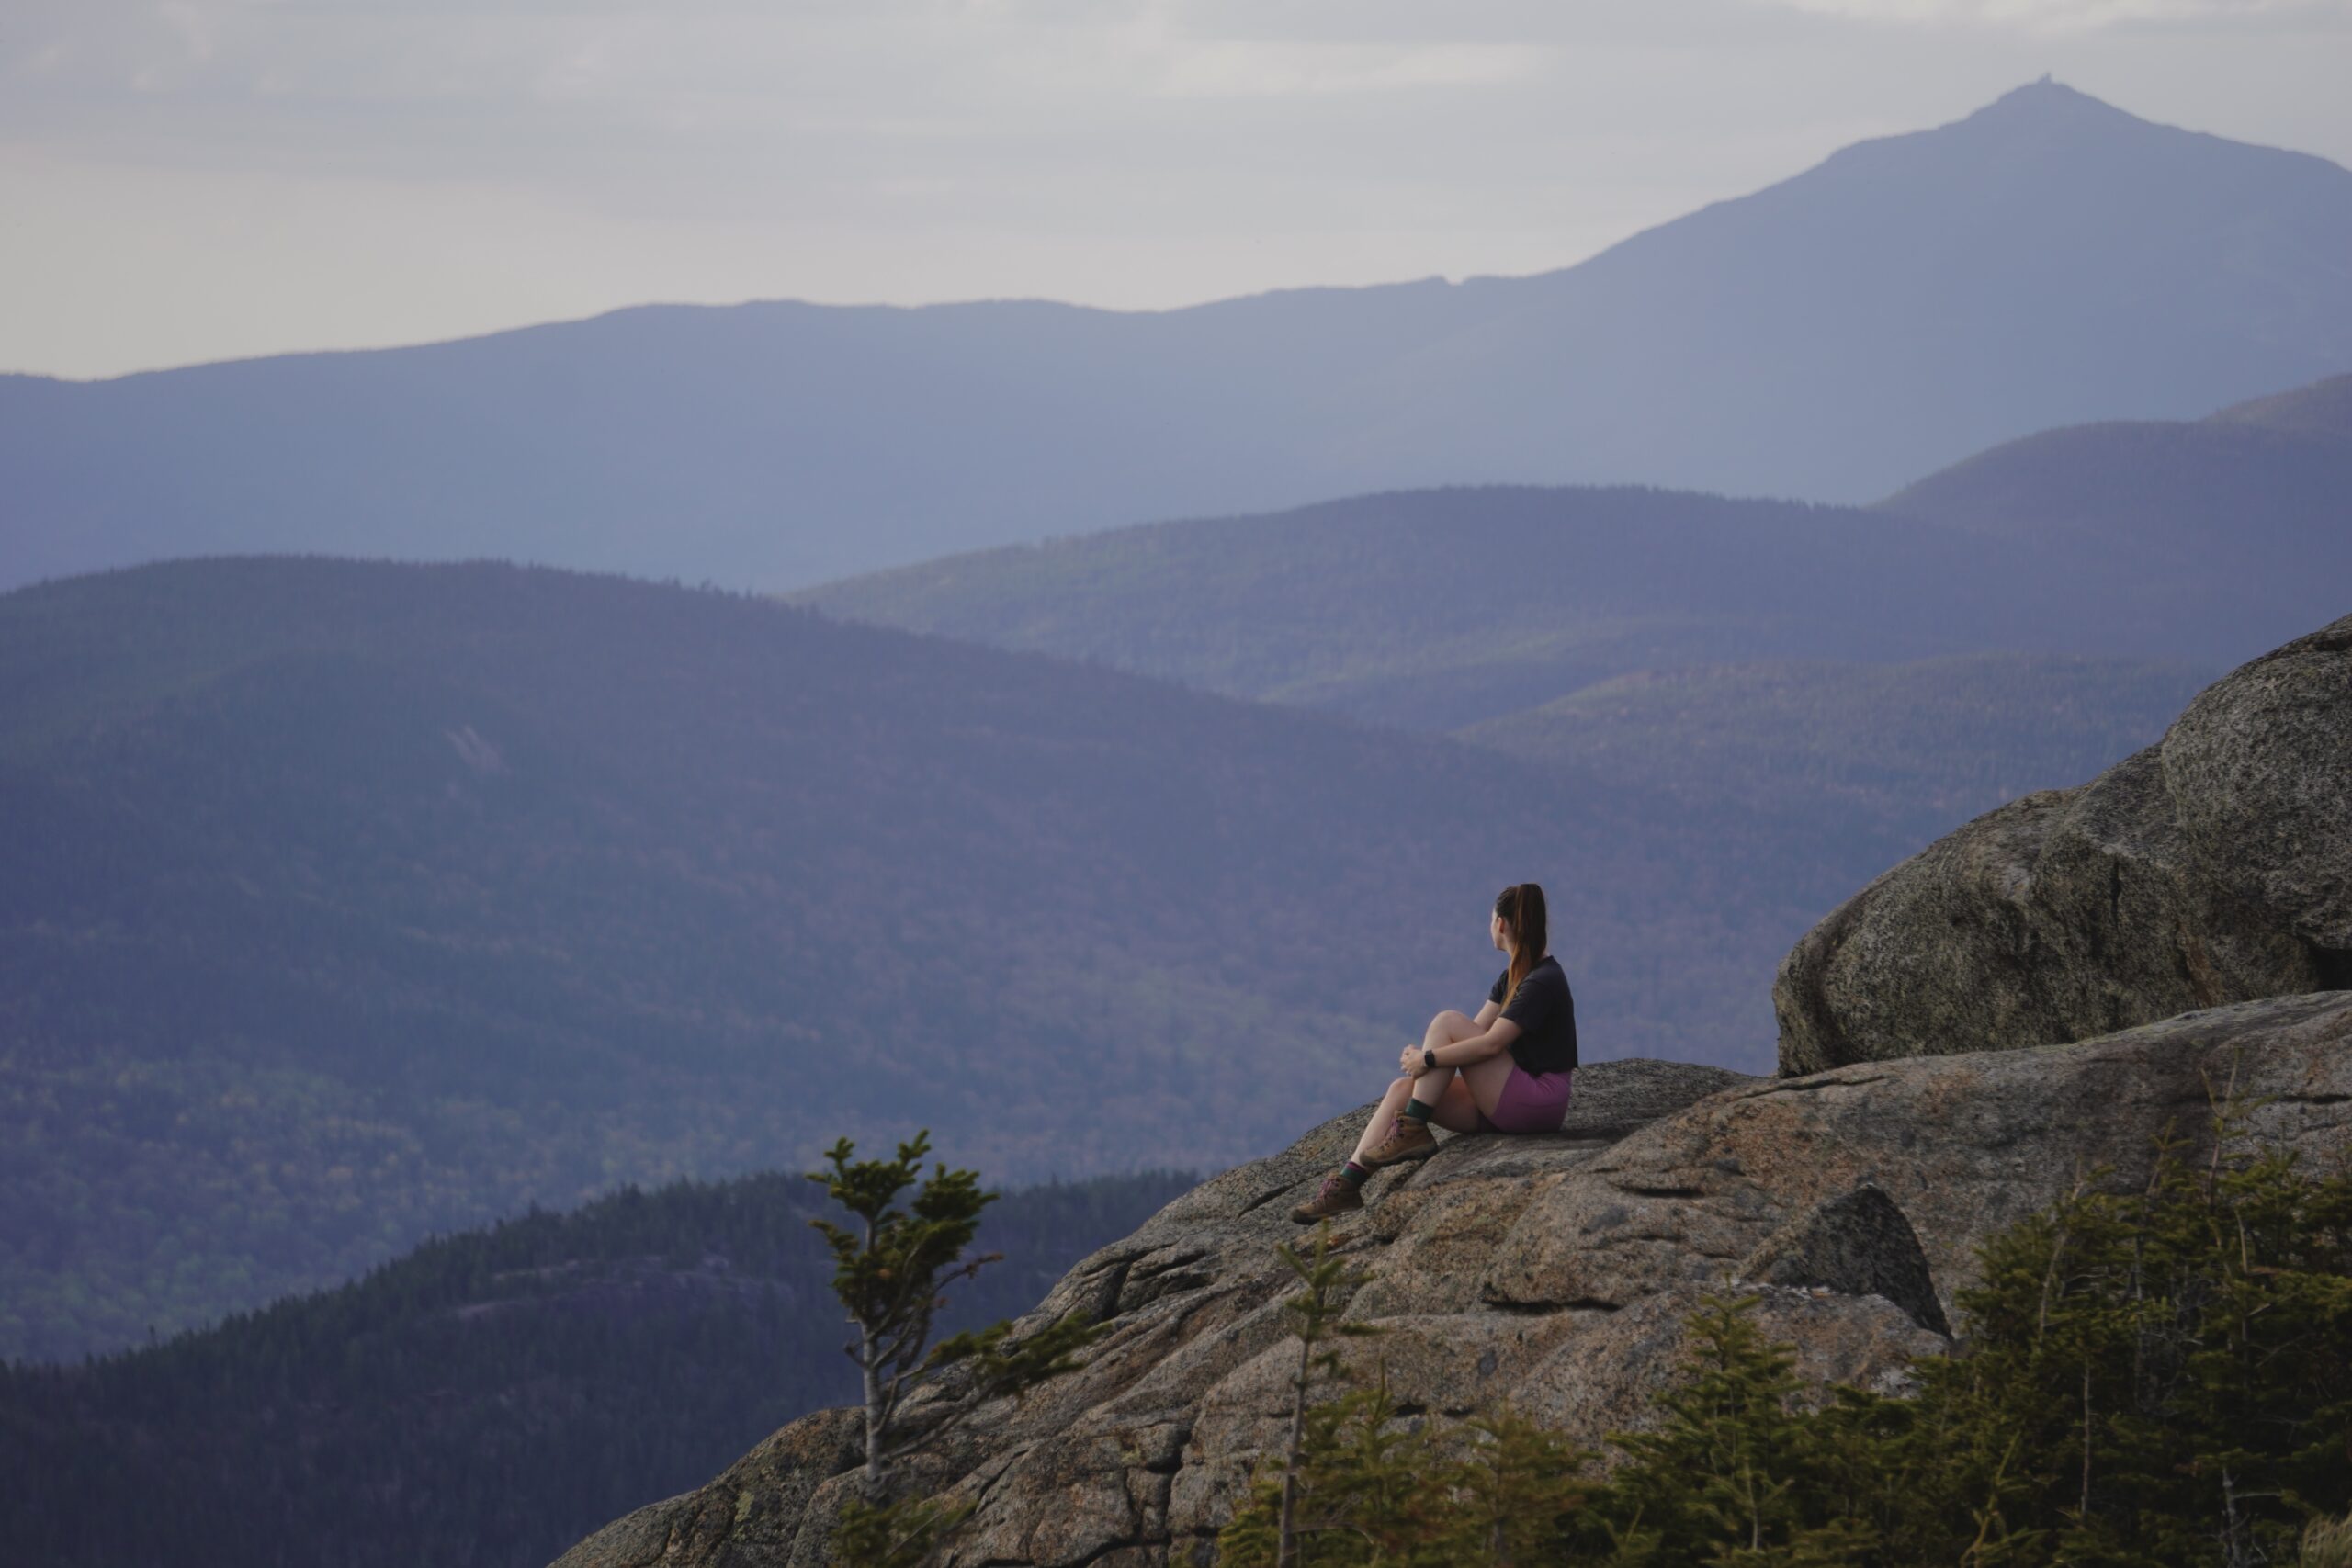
{"x": 345, "y": 901}
{"x": 2187, "y": 544}
{"x": 2045, "y": 260}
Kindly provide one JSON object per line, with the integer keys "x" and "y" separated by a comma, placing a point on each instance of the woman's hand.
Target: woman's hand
{"x": 1410, "y": 1063}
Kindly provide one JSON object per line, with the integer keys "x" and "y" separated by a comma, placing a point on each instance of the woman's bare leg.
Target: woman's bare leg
{"x": 1455, "y": 1095}
{"x": 1383, "y": 1116}
{"x": 1443, "y": 1088}
{"x": 1475, "y": 1088}
{"x": 1456, "y": 1108}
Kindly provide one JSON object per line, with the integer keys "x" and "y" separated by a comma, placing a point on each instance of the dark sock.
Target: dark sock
{"x": 1355, "y": 1172}
{"x": 1420, "y": 1110}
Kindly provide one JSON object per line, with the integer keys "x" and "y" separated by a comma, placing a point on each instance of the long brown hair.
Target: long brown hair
{"x": 1522, "y": 908}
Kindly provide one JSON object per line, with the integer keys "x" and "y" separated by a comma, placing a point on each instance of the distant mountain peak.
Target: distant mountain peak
{"x": 2045, "y": 102}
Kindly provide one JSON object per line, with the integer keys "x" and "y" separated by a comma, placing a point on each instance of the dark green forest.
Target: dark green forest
{"x": 492, "y": 1396}
{"x": 345, "y": 902}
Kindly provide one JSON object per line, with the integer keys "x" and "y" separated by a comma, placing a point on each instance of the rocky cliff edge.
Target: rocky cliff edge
{"x": 1555, "y": 1270}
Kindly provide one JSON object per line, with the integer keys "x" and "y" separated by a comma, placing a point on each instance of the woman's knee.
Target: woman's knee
{"x": 1450, "y": 1019}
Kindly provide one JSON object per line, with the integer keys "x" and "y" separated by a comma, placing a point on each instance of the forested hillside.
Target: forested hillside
{"x": 345, "y": 902}
{"x": 2014, "y": 622}
{"x": 1912, "y": 748}
{"x": 1438, "y": 608}
{"x": 2243, "y": 519}
{"x": 487, "y": 1398}
{"x": 2198, "y": 543}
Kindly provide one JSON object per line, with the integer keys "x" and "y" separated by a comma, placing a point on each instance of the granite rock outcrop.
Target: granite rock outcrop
{"x": 1555, "y": 1270}
{"x": 2214, "y": 866}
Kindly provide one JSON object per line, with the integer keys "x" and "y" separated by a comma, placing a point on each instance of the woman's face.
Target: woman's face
{"x": 1500, "y": 931}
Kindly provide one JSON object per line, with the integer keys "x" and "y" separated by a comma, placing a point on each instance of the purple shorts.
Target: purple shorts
{"x": 1530, "y": 1102}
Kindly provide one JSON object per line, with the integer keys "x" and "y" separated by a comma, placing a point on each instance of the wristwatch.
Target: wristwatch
{"x": 1428, "y": 1060}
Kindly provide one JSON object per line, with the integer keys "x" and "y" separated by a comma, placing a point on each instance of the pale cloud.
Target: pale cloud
{"x": 2055, "y": 17}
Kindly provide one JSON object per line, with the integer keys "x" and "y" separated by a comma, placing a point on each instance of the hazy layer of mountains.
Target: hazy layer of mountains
{"x": 348, "y": 901}
{"x": 489, "y": 1398}
{"x": 344, "y": 901}
{"x": 1907, "y": 747}
{"x": 1910, "y": 299}
{"x": 2196, "y": 543}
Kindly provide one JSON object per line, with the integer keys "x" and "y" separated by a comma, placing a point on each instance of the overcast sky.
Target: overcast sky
{"x": 204, "y": 179}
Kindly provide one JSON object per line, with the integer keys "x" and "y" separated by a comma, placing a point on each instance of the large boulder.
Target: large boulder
{"x": 1553, "y": 1271}
{"x": 2215, "y": 866}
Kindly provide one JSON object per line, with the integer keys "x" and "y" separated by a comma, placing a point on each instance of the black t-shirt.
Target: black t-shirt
{"x": 1547, "y": 1016}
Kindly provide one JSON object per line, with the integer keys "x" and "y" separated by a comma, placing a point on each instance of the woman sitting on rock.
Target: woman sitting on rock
{"x": 1504, "y": 1071}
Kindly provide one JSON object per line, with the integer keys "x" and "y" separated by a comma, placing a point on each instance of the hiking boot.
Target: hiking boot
{"x": 1409, "y": 1139}
{"x": 1336, "y": 1196}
